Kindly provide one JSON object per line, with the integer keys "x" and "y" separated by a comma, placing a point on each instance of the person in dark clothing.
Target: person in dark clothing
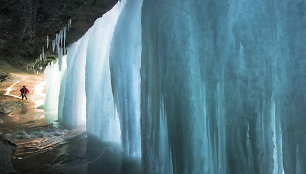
{"x": 24, "y": 92}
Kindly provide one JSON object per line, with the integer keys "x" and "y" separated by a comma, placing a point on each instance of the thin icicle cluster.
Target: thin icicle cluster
{"x": 58, "y": 44}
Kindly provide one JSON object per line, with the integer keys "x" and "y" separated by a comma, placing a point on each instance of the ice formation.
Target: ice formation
{"x": 53, "y": 78}
{"x": 215, "y": 86}
{"x": 58, "y": 44}
{"x": 102, "y": 116}
{"x": 88, "y": 60}
{"x": 224, "y": 81}
{"x": 73, "y": 103}
{"x": 125, "y": 58}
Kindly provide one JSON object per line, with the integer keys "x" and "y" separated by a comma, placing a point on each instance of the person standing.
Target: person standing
{"x": 24, "y": 92}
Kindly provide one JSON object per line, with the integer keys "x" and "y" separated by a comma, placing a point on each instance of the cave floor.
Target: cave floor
{"x": 17, "y": 114}
{"x": 50, "y": 148}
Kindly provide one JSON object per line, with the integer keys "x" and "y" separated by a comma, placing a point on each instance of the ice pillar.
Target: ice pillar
{"x": 73, "y": 103}
{"x": 53, "y": 77}
{"x": 125, "y": 66}
{"x": 102, "y": 116}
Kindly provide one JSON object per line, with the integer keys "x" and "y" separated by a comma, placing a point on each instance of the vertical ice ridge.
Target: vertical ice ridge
{"x": 102, "y": 112}
{"x": 53, "y": 77}
{"x": 277, "y": 143}
{"x": 220, "y": 83}
{"x": 298, "y": 169}
{"x": 125, "y": 65}
{"x": 242, "y": 54}
{"x": 73, "y": 107}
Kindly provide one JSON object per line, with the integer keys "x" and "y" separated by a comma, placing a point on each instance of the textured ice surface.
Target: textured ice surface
{"x": 223, "y": 81}
{"x": 124, "y": 58}
{"x": 102, "y": 116}
{"x": 112, "y": 108}
{"x": 221, "y": 85}
{"x": 53, "y": 78}
{"x": 73, "y": 103}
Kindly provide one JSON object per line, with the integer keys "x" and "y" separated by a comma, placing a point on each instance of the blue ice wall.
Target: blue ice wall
{"x": 110, "y": 108}
{"x": 222, "y": 86}
{"x": 101, "y": 114}
{"x": 210, "y": 86}
{"x": 124, "y": 58}
{"x": 72, "y": 106}
{"x": 53, "y": 76}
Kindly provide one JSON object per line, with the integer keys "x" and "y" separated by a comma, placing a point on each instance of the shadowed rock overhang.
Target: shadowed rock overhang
{"x": 24, "y": 25}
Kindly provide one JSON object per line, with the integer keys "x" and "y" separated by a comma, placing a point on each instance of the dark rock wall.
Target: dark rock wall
{"x": 7, "y": 149}
{"x": 24, "y": 25}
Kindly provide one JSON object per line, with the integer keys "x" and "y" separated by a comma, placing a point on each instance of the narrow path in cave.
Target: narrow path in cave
{"x": 23, "y": 122}
{"x": 22, "y": 114}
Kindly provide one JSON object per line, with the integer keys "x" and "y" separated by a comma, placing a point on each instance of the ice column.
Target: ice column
{"x": 125, "y": 66}
{"x": 88, "y": 70}
{"x": 53, "y": 78}
{"x": 102, "y": 116}
{"x": 72, "y": 107}
{"x": 179, "y": 135}
{"x": 277, "y": 142}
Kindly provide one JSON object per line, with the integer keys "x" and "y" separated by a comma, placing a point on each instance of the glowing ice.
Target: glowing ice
{"x": 125, "y": 66}
{"x": 53, "y": 78}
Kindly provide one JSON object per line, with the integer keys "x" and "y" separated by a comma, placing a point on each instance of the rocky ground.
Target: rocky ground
{"x": 8, "y": 76}
{"x": 8, "y": 104}
{"x": 15, "y": 114}
{"x": 17, "y": 78}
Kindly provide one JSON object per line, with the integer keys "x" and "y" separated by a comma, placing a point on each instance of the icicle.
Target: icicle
{"x": 43, "y": 53}
{"x": 56, "y": 41}
{"x": 64, "y": 38}
{"x": 61, "y": 38}
{"x": 69, "y": 24}
{"x": 47, "y": 42}
{"x": 59, "y": 43}
{"x": 53, "y": 45}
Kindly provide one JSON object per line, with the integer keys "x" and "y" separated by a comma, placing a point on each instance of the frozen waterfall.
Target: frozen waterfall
{"x": 102, "y": 115}
{"x": 72, "y": 103}
{"x": 87, "y": 88}
{"x": 125, "y": 65}
{"x": 53, "y": 77}
{"x": 223, "y": 81}
{"x": 210, "y": 86}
